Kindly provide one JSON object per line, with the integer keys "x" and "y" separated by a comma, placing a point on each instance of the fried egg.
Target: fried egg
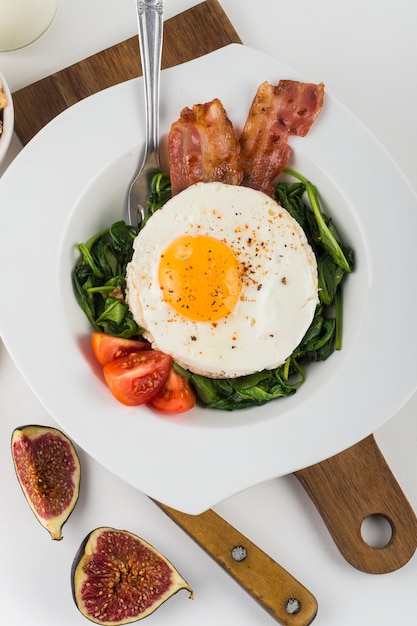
{"x": 223, "y": 279}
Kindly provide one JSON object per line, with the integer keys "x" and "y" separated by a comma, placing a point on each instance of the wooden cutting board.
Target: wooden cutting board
{"x": 366, "y": 487}
{"x": 189, "y": 35}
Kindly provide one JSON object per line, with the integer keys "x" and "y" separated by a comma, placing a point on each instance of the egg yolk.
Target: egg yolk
{"x": 200, "y": 277}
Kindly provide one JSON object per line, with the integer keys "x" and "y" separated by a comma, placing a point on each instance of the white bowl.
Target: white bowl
{"x": 8, "y": 120}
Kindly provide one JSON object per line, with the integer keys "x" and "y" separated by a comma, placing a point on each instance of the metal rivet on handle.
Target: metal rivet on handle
{"x": 293, "y": 606}
{"x": 239, "y": 553}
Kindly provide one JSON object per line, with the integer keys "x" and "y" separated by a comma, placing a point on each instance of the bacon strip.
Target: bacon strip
{"x": 277, "y": 112}
{"x": 203, "y": 147}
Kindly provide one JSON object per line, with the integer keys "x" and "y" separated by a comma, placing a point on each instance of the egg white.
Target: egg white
{"x": 280, "y": 287}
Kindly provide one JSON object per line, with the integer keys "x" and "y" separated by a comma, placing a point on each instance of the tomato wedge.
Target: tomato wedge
{"x": 107, "y": 348}
{"x": 136, "y": 377}
{"x": 176, "y": 395}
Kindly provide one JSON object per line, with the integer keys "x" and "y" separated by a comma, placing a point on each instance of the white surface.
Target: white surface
{"x": 188, "y": 444}
{"x": 365, "y": 54}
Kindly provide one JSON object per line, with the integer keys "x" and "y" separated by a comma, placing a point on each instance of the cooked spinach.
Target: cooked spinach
{"x": 245, "y": 391}
{"x": 160, "y": 191}
{"x": 334, "y": 258}
{"x": 99, "y": 282}
{"x": 322, "y": 228}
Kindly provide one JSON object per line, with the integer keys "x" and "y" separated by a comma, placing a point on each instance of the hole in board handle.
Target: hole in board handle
{"x": 376, "y": 531}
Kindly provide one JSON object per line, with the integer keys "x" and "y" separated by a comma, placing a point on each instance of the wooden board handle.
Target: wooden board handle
{"x": 350, "y": 487}
{"x": 271, "y": 585}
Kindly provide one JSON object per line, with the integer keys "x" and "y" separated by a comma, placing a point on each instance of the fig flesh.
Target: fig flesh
{"x": 118, "y": 578}
{"x": 48, "y": 470}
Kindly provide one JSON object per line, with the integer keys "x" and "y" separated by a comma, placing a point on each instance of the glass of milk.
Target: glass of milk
{"x": 23, "y": 21}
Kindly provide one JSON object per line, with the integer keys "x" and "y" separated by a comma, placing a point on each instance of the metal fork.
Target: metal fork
{"x": 150, "y": 28}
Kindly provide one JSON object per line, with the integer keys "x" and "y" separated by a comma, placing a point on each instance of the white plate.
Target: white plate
{"x": 71, "y": 180}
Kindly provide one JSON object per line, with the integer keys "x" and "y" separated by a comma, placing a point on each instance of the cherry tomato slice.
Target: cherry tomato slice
{"x": 136, "y": 377}
{"x": 107, "y": 348}
{"x": 176, "y": 395}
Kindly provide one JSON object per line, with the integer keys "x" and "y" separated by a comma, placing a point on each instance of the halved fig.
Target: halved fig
{"x": 118, "y": 578}
{"x": 48, "y": 470}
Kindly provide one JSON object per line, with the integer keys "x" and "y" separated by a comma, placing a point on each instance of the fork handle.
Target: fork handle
{"x": 150, "y": 26}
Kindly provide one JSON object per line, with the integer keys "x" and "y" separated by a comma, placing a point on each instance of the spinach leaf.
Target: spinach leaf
{"x": 238, "y": 393}
{"x": 329, "y": 277}
{"x": 328, "y": 235}
{"x": 160, "y": 193}
{"x": 99, "y": 280}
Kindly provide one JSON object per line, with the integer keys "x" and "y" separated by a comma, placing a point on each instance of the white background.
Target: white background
{"x": 365, "y": 51}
